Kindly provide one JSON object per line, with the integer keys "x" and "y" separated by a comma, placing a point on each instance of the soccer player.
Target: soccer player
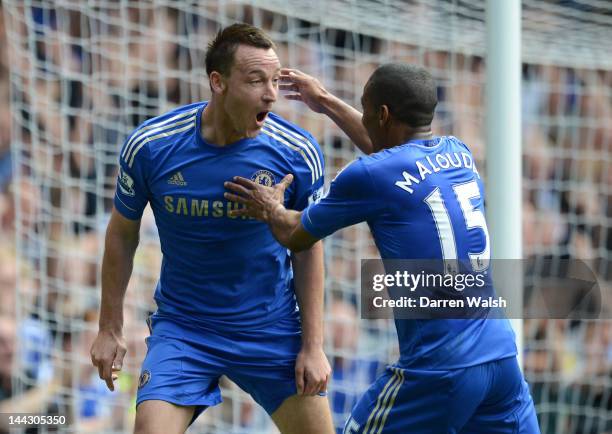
{"x": 227, "y": 292}
{"x": 423, "y": 199}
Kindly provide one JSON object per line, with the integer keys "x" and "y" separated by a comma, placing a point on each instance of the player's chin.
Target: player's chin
{"x": 254, "y": 129}
{"x": 253, "y": 132}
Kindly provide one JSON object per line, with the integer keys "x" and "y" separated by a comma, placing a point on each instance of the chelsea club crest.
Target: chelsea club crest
{"x": 144, "y": 379}
{"x": 263, "y": 177}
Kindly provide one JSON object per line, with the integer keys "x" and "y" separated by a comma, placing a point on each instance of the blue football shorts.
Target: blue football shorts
{"x": 184, "y": 362}
{"x": 489, "y": 398}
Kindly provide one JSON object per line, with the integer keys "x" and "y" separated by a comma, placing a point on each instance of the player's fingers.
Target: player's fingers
{"x": 317, "y": 385}
{"x": 286, "y": 72}
{"x": 285, "y": 80}
{"x": 321, "y": 385}
{"x": 294, "y": 96}
{"x": 243, "y": 210}
{"x": 118, "y": 361}
{"x": 313, "y": 387}
{"x": 311, "y": 384}
{"x": 239, "y": 213}
{"x": 289, "y": 87}
{"x": 94, "y": 353}
{"x": 321, "y": 389}
{"x": 308, "y": 386}
{"x": 296, "y": 75}
{"x": 299, "y": 380}
{"x": 286, "y": 181}
{"x": 250, "y": 185}
{"x": 108, "y": 375}
{"x": 235, "y": 198}
{"x": 100, "y": 371}
{"x": 236, "y": 188}
{"x": 99, "y": 363}
{"x": 104, "y": 369}
{"x": 322, "y": 382}
{"x": 325, "y": 384}
{"x": 109, "y": 384}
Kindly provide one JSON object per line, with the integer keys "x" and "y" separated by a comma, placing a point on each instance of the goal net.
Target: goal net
{"x": 82, "y": 75}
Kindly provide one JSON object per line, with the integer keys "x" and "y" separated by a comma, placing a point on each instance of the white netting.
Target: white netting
{"x": 84, "y": 74}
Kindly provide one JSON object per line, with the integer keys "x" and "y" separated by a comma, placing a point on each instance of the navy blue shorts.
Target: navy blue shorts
{"x": 490, "y": 398}
{"x": 183, "y": 363}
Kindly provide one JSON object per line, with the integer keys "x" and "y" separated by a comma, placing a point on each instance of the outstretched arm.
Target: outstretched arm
{"x": 286, "y": 226}
{"x": 266, "y": 204}
{"x": 311, "y": 92}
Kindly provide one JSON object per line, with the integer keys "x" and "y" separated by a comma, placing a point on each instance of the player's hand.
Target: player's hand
{"x": 303, "y": 87}
{"x": 258, "y": 200}
{"x": 107, "y": 354}
{"x": 312, "y": 371}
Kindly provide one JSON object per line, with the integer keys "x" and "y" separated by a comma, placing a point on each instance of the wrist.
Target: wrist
{"x": 114, "y": 329}
{"x": 273, "y": 211}
{"x": 326, "y": 102}
{"x": 312, "y": 345}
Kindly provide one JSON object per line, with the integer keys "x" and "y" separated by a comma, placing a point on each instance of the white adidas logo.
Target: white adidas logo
{"x": 177, "y": 179}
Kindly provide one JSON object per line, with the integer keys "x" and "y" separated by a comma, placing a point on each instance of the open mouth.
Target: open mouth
{"x": 261, "y": 117}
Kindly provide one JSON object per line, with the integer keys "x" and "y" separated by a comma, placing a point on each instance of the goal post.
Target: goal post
{"x": 504, "y": 146}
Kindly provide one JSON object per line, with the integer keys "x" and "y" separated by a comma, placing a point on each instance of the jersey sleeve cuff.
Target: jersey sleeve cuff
{"x": 126, "y": 210}
{"x": 308, "y": 225}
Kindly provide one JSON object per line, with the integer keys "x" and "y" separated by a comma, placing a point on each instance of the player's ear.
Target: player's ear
{"x": 384, "y": 116}
{"x": 217, "y": 82}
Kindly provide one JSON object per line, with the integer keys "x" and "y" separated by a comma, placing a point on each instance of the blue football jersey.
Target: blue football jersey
{"x": 422, "y": 200}
{"x": 217, "y": 270}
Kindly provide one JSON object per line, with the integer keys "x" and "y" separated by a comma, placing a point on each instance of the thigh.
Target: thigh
{"x": 404, "y": 401}
{"x": 160, "y": 417}
{"x": 177, "y": 372}
{"x": 304, "y": 415}
{"x": 274, "y": 389}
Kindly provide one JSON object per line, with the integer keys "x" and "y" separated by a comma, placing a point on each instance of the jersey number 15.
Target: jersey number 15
{"x": 474, "y": 218}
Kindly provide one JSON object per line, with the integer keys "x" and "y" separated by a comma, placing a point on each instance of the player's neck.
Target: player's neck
{"x": 216, "y": 127}
{"x": 421, "y": 133}
{"x": 402, "y": 133}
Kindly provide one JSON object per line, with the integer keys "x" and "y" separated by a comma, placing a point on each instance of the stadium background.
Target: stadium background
{"x": 76, "y": 77}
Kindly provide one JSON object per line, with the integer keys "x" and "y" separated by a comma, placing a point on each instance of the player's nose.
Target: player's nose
{"x": 271, "y": 93}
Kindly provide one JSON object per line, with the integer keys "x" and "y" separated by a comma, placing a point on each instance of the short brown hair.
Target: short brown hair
{"x": 220, "y": 52}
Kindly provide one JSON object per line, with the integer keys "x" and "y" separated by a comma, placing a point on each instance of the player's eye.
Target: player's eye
{"x": 256, "y": 81}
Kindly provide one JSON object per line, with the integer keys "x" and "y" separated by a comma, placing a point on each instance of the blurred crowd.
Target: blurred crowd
{"x": 75, "y": 82}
